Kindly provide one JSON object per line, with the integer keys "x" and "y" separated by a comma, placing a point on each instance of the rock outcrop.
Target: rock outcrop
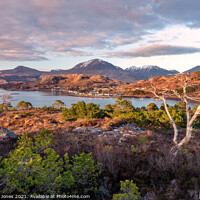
{"x": 6, "y": 135}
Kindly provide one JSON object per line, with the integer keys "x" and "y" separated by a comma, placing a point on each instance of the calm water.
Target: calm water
{"x": 39, "y": 99}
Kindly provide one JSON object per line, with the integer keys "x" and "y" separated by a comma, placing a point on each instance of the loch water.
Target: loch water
{"x": 42, "y": 98}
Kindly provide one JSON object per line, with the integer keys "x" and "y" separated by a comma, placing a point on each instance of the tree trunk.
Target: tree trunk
{"x": 188, "y": 135}
{"x": 172, "y": 121}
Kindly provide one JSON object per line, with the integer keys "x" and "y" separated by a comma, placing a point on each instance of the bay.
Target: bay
{"x": 42, "y": 98}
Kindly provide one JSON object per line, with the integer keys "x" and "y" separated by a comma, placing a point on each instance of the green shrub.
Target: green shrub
{"x": 152, "y": 107}
{"x": 142, "y": 139}
{"x": 35, "y": 168}
{"x": 85, "y": 173}
{"x": 83, "y": 111}
{"x": 129, "y": 191}
{"x": 24, "y": 105}
{"x": 58, "y": 104}
{"x": 6, "y": 106}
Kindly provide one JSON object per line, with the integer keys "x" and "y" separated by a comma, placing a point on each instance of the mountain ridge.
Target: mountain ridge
{"x": 20, "y": 74}
{"x": 194, "y": 69}
{"x": 22, "y": 70}
{"x": 90, "y": 67}
{"x": 100, "y": 67}
{"x": 151, "y": 71}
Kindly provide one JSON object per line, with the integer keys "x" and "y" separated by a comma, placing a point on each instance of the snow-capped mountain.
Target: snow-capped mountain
{"x": 101, "y": 67}
{"x": 91, "y": 62}
{"x": 131, "y": 74}
{"x": 96, "y": 64}
{"x": 150, "y": 71}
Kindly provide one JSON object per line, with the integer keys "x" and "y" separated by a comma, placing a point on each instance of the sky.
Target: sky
{"x": 58, "y": 34}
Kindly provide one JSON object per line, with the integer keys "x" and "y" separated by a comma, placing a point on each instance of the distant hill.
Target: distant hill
{"x": 91, "y": 67}
{"x": 21, "y": 74}
{"x": 194, "y": 69}
{"x": 21, "y": 71}
{"x": 150, "y": 71}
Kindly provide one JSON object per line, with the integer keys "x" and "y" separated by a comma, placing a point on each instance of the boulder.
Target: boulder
{"x": 128, "y": 135}
{"x": 88, "y": 130}
{"x": 149, "y": 196}
{"x": 6, "y": 134}
{"x": 122, "y": 139}
{"x": 94, "y": 131}
{"x": 79, "y": 130}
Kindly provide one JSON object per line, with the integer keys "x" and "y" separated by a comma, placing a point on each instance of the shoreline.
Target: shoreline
{"x": 101, "y": 96}
{"x": 61, "y": 93}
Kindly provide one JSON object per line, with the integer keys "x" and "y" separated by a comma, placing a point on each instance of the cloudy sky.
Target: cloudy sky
{"x": 54, "y": 34}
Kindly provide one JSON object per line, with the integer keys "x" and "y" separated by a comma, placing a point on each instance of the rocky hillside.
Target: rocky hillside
{"x": 75, "y": 82}
{"x": 170, "y": 82}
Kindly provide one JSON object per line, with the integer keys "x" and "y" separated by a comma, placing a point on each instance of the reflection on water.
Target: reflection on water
{"x": 40, "y": 98}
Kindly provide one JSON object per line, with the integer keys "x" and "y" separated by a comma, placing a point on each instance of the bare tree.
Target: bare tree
{"x": 162, "y": 93}
{"x": 5, "y": 103}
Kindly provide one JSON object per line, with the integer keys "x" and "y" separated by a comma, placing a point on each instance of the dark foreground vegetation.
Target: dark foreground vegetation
{"x": 141, "y": 167}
